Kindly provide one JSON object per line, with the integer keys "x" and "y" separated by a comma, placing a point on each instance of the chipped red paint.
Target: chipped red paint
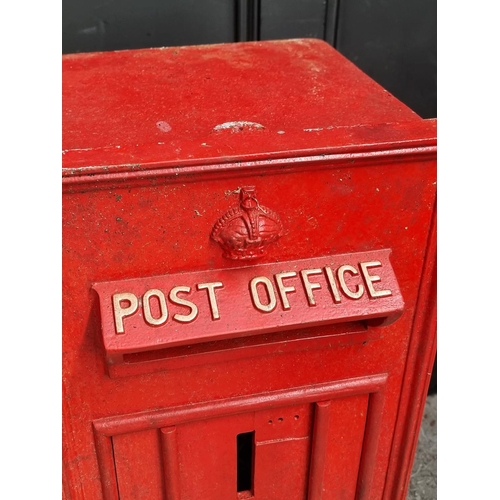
{"x": 157, "y": 146}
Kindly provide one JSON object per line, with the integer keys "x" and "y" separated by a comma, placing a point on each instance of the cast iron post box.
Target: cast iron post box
{"x": 249, "y": 275}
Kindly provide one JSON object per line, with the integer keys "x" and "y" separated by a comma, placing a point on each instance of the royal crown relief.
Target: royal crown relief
{"x": 246, "y": 230}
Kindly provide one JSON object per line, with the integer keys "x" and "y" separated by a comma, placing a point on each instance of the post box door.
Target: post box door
{"x": 278, "y": 453}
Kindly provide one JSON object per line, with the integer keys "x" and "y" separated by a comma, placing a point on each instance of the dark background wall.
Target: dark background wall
{"x": 393, "y": 41}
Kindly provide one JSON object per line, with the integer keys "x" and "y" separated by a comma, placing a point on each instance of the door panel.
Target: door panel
{"x": 266, "y": 454}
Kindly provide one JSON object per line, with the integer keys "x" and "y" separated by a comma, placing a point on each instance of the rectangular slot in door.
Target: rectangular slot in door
{"x": 244, "y": 464}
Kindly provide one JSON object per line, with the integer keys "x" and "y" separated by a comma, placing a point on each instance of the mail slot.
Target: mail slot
{"x": 249, "y": 245}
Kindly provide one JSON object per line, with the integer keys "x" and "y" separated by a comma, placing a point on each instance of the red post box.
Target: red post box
{"x": 249, "y": 275}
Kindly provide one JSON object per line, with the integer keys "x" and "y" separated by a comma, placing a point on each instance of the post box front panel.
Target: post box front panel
{"x": 127, "y": 232}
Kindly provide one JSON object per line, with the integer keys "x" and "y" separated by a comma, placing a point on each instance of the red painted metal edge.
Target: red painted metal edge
{"x": 420, "y": 359}
{"x": 170, "y": 463}
{"x": 105, "y": 459}
{"x": 370, "y": 446}
{"x": 319, "y": 449}
{"x": 112, "y": 426}
{"x": 91, "y": 183}
{"x": 331, "y": 336}
{"x": 341, "y": 142}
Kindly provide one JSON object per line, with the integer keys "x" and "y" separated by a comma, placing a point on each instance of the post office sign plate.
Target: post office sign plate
{"x": 187, "y": 308}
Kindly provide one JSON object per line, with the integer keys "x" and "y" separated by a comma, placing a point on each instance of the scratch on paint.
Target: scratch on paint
{"x": 77, "y": 149}
{"x": 318, "y": 129}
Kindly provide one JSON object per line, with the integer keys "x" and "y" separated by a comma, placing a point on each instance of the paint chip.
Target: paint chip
{"x": 163, "y": 126}
{"x": 238, "y": 126}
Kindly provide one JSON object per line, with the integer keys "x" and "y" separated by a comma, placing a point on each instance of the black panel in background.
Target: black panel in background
{"x": 394, "y": 42}
{"x": 101, "y": 25}
{"x": 281, "y": 19}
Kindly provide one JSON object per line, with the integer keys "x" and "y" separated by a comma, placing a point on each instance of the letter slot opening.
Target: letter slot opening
{"x": 244, "y": 464}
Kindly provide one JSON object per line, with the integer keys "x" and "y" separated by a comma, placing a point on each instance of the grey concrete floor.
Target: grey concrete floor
{"x": 423, "y": 483}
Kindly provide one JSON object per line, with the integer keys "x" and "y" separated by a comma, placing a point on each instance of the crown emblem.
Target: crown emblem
{"x": 244, "y": 231}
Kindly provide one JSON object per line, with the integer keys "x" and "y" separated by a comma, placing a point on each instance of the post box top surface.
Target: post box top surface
{"x": 182, "y": 106}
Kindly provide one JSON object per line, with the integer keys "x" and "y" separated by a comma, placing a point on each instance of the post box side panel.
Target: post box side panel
{"x": 138, "y": 232}
{"x": 422, "y": 352}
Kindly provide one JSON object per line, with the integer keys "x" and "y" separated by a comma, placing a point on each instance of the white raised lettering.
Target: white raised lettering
{"x": 310, "y": 286}
{"x": 370, "y": 279}
{"x": 282, "y": 289}
{"x": 210, "y": 288}
{"x": 148, "y": 317}
{"x": 183, "y": 318}
{"x": 333, "y": 285}
{"x": 122, "y": 312}
{"x": 341, "y": 275}
{"x": 270, "y": 294}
